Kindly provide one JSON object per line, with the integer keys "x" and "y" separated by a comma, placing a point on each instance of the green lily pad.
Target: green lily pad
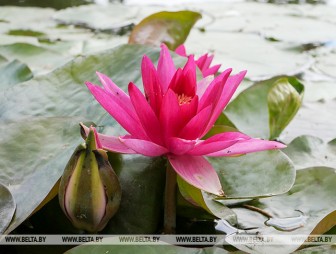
{"x": 309, "y": 151}
{"x": 313, "y": 194}
{"x": 142, "y": 181}
{"x": 40, "y": 147}
{"x": 14, "y": 72}
{"x": 321, "y": 125}
{"x": 7, "y": 208}
{"x": 255, "y": 111}
{"x": 326, "y": 63}
{"x": 34, "y": 56}
{"x": 98, "y": 17}
{"x": 241, "y": 51}
{"x": 172, "y": 28}
{"x": 253, "y": 175}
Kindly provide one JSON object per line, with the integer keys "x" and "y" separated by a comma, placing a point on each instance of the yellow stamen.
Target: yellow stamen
{"x": 184, "y": 99}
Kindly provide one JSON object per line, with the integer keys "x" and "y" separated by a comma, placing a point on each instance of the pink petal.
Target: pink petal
{"x": 117, "y": 93}
{"x": 180, "y": 50}
{"x": 119, "y": 110}
{"x": 184, "y": 82}
{"x": 170, "y": 115}
{"x": 147, "y": 117}
{"x": 217, "y": 142}
{"x": 207, "y": 62}
{"x": 180, "y": 146}
{"x": 212, "y": 95}
{"x": 203, "y": 84}
{"x": 166, "y": 68}
{"x": 110, "y": 143}
{"x": 197, "y": 171}
{"x": 211, "y": 71}
{"x": 229, "y": 88}
{"x": 201, "y": 61}
{"x": 144, "y": 147}
{"x": 196, "y": 125}
{"x": 248, "y": 146}
{"x": 151, "y": 84}
{"x": 188, "y": 111}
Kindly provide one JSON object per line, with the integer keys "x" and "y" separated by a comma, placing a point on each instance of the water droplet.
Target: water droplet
{"x": 287, "y": 224}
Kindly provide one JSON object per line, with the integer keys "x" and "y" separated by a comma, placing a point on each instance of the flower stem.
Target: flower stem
{"x": 170, "y": 201}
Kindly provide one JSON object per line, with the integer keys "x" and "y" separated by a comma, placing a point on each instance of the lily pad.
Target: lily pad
{"x": 253, "y": 175}
{"x": 14, "y": 72}
{"x": 34, "y": 56}
{"x": 321, "y": 125}
{"x": 313, "y": 194}
{"x": 261, "y": 58}
{"x": 309, "y": 151}
{"x": 172, "y": 28}
{"x": 40, "y": 148}
{"x": 98, "y": 17}
{"x": 7, "y": 208}
{"x": 142, "y": 181}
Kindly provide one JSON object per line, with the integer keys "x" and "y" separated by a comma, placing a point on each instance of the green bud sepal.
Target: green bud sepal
{"x": 89, "y": 191}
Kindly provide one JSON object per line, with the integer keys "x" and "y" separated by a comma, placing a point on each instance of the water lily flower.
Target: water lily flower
{"x": 203, "y": 63}
{"x": 172, "y": 116}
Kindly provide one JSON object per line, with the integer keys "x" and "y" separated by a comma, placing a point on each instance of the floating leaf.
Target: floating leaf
{"x": 321, "y": 125}
{"x": 7, "y": 208}
{"x": 232, "y": 51}
{"x": 34, "y": 56}
{"x": 258, "y": 174}
{"x": 313, "y": 194}
{"x": 98, "y": 17}
{"x": 39, "y": 147}
{"x": 284, "y": 100}
{"x": 172, "y": 28}
{"x": 142, "y": 181}
{"x": 309, "y": 151}
{"x": 14, "y": 72}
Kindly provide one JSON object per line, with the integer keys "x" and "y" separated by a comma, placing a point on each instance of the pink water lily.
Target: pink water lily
{"x": 203, "y": 63}
{"x": 172, "y": 116}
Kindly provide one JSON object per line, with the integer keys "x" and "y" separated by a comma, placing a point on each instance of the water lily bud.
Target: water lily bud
{"x": 89, "y": 192}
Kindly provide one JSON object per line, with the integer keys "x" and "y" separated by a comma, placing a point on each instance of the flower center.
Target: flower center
{"x": 183, "y": 99}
